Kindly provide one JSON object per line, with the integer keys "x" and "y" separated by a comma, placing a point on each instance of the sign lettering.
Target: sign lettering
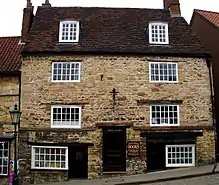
{"x": 133, "y": 148}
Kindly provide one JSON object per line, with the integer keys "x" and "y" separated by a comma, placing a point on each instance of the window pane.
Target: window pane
{"x": 4, "y": 157}
{"x": 66, "y": 116}
{"x": 158, "y": 33}
{"x": 69, "y": 29}
{"x": 51, "y": 158}
{"x": 163, "y": 114}
{"x": 178, "y": 157}
{"x": 66, "y": 71}
{"x": 163, "y": 72}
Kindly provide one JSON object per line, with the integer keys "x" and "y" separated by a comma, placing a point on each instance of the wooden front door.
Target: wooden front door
{"x": 114, "y": 149}
{"x": 155, "y": 156}
{"x": 78, "y": 162}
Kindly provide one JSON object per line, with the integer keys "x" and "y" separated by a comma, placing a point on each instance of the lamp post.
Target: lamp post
{"x": 15, "y": 117}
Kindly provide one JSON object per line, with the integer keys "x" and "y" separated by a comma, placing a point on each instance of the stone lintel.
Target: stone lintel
{"x": 70, "y": 60}
{"x": 175, "y": 135}
{"x": 48, "y": 143}
{"x": 68, "y": 103}
{"x": 3, "y": 95}
{"x": 113, "y": 124}
{"x": 144, "y": 101}
{"x": 174, "y": 128}
{"x": 161, "y": 60}
{"x": 57, "y": 129}
{"x": 6, "y": 137}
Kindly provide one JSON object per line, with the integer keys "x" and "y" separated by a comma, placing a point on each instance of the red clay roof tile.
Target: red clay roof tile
{"x": 213, "y": 17}
{"x": 10, "y": 58}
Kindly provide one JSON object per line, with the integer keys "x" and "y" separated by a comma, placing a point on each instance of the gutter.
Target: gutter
{"x": 19, "y": 98}
{"x": 213, "y": 111}
{"x": 113, "y": 53}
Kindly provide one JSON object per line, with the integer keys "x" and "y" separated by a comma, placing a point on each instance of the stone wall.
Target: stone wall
{"x": 99, "y": 75}
{"x": 130, "y": 77}
{"x": 9, "y": 95}
{"x": 93, "y": 137}
{"x": 205, "y": 148}
{"x": 58, "y": 138}
{"x": 135, "y": 165}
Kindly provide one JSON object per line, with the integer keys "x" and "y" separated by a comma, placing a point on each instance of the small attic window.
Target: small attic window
{"x": 69, "y": 31}
{"x": 158, "y": 33}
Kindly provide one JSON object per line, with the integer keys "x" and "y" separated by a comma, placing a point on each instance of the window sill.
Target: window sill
{"x": 70, "y": 43}
{"x": 179, "y": 166}
{"x": 164, "y": 125}
{"x": 65, "y": 81}
{"x": 164, "y": 82}
{"x": 3, "y": 176}
{"x": 41, "y": 169}
{"x": 67, "y": 127}
{"x": 159, "y": 44}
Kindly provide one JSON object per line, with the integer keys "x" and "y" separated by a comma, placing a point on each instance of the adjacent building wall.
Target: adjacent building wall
{"x": 9, "y": 95}
{"x": 208, "y": 34}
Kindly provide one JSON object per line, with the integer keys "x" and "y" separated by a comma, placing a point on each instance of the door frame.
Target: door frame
{"x": 160, "y": 146}
{"x": 72, "y": 149}
{"x": 123, "y": 155}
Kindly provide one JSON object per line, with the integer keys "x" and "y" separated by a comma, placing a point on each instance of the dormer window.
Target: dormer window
{"x": 158, "y": 33}
{"x": 69, "y": 31}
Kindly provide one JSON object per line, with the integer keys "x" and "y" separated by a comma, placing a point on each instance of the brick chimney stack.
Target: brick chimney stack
{"x": 27, "y": 20}
{"x": 173, "y": 6}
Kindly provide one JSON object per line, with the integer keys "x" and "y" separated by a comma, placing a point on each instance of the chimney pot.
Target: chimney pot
{"x": 173, "y": 6}
{"x": 29, "y": 4}
{"x": 46, "y": 4}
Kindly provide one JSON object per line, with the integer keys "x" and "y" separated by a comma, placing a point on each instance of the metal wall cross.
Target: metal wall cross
{"x": 114, "y": 96}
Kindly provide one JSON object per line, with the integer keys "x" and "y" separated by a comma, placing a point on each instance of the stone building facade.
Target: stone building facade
{"x": 10, "y": 62}
{"x": 131, "y": 111}
{"x": 104, "y": 103}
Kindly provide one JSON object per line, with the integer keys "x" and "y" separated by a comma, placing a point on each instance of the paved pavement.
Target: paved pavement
{"x": 167, "y": 175}
{"x": 204, "y": 180}
{"x": 202, "y": 174}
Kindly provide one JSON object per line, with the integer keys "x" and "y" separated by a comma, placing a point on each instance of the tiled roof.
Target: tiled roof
{"x": 10, "y": 58}
{"x": 213, "y": 17}
{"x": 109, "y": 30}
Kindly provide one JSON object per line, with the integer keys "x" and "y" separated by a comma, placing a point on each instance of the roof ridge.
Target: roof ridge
{"x": 197, "y": 10}
{"x": 1, "y": 37}
{"x": 102, "y": 7}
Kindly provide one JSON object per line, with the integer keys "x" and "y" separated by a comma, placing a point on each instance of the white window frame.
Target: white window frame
{"x": 163, "y": 81}
{"x": 77, "y": 31}
{"x": 181, "y": 165}
{"x": 79, "y": 74}
{"x": 3, "y": 158}
{"x": 164, "y": 124}
{"x": 49, "y": 147}
{"x": 67, "y": 126}
{"x": 166, "y": 32}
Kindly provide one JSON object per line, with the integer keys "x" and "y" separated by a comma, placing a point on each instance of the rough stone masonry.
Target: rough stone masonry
{"x": 99, "y": 75}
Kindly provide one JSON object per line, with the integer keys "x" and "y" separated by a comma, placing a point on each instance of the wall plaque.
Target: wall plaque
{"x": 133, "y": 148}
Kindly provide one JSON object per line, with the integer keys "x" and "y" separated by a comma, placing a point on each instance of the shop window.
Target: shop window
{"x": 180, "y": 155}
{"x": 49, "y": 157}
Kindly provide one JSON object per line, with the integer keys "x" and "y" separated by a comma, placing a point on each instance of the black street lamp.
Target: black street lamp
{"x": 15, "y": 117}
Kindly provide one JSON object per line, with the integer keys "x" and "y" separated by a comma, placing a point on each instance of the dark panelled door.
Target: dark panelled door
{"x": 155, "y": 156}
{"x": 114, "y": 149}
{"x": 78, "y": 162}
